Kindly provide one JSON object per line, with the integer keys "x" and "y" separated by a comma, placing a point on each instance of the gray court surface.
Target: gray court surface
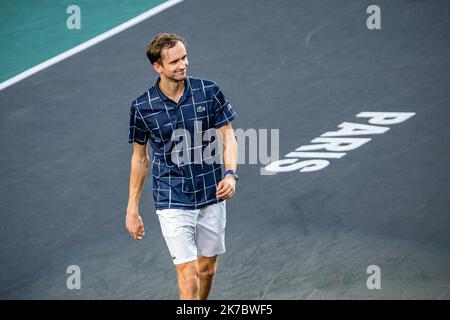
{"x": 302, "y": 67}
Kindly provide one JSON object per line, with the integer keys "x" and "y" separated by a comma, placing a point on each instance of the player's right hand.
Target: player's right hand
{"x": 135, "y": 225}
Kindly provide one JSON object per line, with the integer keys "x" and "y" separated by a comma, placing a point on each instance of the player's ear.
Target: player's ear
{"x": 157, "y": 67}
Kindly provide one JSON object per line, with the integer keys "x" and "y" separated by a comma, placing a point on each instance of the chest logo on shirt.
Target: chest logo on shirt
{"x": 201, "y": 108}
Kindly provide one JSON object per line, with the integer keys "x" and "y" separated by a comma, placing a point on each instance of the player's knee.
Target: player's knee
{"x": 188, "y": 278}
{"x": 208, "y": 273}
{"x": 208, "y": 268}
{"x": 188, "y": 272}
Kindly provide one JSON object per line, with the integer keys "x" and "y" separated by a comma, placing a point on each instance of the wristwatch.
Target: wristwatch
{"x": 235, "y": 175}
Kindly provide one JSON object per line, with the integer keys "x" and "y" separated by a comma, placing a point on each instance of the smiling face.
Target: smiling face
{"x": 173, "y": 63}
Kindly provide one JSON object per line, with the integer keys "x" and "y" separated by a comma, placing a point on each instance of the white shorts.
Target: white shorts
{"x": 190, "y": 234}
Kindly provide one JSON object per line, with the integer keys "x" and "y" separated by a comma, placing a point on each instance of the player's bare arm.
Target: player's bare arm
{"x": 227, "y": 186}
{"x": 139, "y": 169}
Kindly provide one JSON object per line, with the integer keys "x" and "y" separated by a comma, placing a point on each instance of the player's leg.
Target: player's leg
{"x": 188, "y": 280}
{"x": 210, "y": 241}
{"x": 178, "y": 228}
{"x": 207, "y": 267}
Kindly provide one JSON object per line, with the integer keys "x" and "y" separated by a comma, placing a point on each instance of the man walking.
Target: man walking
{"x": 189, "y": 189}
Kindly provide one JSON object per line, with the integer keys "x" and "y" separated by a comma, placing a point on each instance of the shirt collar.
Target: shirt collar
{"x": 187, "y": 90}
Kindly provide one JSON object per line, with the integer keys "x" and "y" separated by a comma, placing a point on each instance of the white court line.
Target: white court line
{"x": 89, "y": 43}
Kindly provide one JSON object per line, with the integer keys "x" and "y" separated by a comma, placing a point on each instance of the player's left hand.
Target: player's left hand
{"x": 226, "y": 188}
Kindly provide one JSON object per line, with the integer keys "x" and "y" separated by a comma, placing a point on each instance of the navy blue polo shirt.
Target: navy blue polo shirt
{"x": 155, "y": 118}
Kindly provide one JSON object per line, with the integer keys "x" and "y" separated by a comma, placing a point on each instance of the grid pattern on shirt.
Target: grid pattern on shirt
{"x": 154, "y": 118}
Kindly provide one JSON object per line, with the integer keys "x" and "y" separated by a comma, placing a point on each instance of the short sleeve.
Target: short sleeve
{"x": 224, "y": 113}
{"x": 138, "y": 129}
